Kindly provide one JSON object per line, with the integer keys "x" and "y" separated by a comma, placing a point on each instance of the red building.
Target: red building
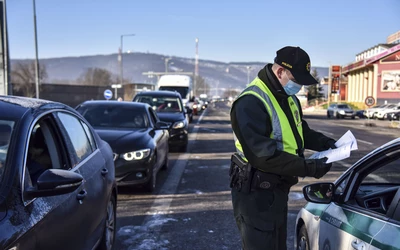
{"x": 375, "y": 73}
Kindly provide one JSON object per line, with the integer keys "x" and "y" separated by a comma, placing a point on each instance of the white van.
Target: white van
{"x": 182, "y": 84}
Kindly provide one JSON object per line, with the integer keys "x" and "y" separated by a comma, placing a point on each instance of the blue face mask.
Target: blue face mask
{"x": 292, "y": 88}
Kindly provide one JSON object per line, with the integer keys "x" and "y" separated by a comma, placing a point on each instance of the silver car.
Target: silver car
{"x": 339, "y": 110}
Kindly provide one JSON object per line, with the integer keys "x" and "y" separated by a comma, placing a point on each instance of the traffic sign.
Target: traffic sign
{"x": 107, "y": 94}
{"x": 118, "y": 86}
{"x": 370, "y": 101}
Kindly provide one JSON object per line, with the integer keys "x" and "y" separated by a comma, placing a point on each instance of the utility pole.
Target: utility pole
{"x": 196, "y": 65}
{"x": 248, "y": 74}
{"x": 166, "y": 60}
{"x": 36, "y": 50}
{"x": 120, "y": 58}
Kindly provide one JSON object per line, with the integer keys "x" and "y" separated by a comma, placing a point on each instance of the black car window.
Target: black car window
{"x": 44, "y": 151}
{"x": 77, "y": 135}
{"x": 89, "y": 135}
{"x": 114, "y": 116}
{"x": 162, "y": 104}
{"x": 153, "y": 116}
{"x": 6, "y": 129}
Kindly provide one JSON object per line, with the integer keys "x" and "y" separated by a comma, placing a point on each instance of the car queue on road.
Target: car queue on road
{"x": 62, "y": 166}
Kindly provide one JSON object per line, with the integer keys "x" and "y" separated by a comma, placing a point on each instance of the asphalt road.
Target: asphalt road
{"x": 191, "y": 207}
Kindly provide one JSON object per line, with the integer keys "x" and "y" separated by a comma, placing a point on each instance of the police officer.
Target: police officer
{"x": 270, "y": 138}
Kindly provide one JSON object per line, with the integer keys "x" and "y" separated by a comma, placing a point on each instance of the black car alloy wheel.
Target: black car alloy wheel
{"x": 107, "y": 241}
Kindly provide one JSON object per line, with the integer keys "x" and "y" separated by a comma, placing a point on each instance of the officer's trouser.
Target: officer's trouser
{"x": 261, "y": 217}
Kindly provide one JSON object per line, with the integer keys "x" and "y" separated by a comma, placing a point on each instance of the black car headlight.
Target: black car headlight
{"x": 136, "y": 155}
{"x": 177, "y": 125}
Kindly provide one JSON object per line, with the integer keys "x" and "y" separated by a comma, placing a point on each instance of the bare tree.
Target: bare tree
{"x": 97, "y": 77}
{"x": 23, "y": 77}
{"x": 201, "y": 86}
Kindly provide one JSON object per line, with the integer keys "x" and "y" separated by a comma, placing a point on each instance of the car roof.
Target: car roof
{"x": 16, "y": 106}
{"x": 159, "y": 93}
{"x": 114, "y": 103}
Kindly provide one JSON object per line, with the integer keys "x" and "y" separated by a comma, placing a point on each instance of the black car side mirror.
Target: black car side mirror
{"x": 55, "y": 182}
{"x": 162, "y": 125}
{"x": 319, "y": 192}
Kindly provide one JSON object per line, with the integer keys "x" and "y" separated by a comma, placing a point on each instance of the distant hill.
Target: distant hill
{"x": 218, "y": 74}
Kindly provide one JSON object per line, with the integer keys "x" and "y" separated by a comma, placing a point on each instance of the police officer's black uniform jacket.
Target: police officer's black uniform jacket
{"x": 252, "y": 127}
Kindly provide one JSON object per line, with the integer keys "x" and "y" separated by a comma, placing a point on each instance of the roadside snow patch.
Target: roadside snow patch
{"x": 143, "y": 237}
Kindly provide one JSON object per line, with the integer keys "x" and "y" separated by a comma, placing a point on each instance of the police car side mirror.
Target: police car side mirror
{"x": 321, "y": 193}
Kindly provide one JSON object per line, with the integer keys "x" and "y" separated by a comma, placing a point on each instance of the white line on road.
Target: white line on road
{"x": 161, "y": 204}
{"x": 365, "y": 142}
{"x": 201, "y": 117}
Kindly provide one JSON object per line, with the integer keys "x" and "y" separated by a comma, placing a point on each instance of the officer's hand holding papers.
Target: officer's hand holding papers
{"x": 345, "y": 145}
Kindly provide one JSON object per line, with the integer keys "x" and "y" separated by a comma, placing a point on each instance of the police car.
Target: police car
{"x": 360, "y": 210}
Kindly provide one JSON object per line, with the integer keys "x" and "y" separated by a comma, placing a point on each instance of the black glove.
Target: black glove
{"x": 331, "y": 143}
{"x": 317, "y": 167}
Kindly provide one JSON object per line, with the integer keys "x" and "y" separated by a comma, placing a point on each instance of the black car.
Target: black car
{"x": 137, "y": 137}
{"x": 169, "y": 107}
{"x": 57, "y": 181}
{"x": 395, "y": 116}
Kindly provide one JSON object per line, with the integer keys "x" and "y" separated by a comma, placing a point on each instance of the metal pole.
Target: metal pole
{"x": 121, "y": 73}
{"x": 166, "y": 60}
{"x": 196, "y": 66}
{"x": 36, "y": 50}
{"x": 122, "y": 65}
{"x": 248, "y": 74}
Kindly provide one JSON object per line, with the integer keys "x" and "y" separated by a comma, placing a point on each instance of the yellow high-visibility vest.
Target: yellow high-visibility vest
{"x": 281, "y": 131}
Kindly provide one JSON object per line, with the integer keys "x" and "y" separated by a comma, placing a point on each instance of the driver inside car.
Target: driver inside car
{"x": 139, "y": 121}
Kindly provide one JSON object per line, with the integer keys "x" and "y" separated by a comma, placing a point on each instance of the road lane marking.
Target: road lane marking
{"x": 152, "y": 224}
{"x": 365, "y": 142}
{"x": 201, "y": 117}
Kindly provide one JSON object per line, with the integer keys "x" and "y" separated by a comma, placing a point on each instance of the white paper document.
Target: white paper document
{"x": 344, "y": 145}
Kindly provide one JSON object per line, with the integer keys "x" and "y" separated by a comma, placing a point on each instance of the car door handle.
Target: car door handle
{"x": 358, "y": 245}
{"x": 104, "y": 171}
{"x": 81, "y": 195}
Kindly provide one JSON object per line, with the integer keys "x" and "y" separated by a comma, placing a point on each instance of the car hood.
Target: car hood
{"x": 124, "y": 140}
{"x": 171, "y": 117}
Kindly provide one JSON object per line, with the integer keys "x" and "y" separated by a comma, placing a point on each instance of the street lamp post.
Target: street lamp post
{"x": 36, "y": 51}
{"x": 121, "y": 61}
{"x": 248, "y": 74}
{"x": 166, "y": 60}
